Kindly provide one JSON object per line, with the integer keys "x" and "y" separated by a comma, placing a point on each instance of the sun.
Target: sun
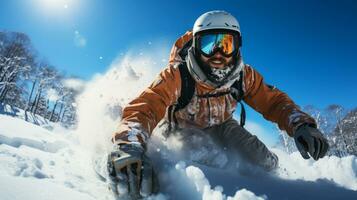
{"x": 56, "y": 7}
{"x": 55, "y": 4}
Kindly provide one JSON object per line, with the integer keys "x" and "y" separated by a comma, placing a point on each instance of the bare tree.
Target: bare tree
{"x": 47, "y": 74}
{"x": 16, "y": 60}
{"x": 34, "y": 86}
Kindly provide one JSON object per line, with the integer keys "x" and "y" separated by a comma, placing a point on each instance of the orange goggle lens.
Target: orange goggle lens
{"x": 210, "y": 43}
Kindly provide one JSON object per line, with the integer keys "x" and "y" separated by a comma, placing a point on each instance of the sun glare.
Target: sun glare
{"x": 56, "y": 7}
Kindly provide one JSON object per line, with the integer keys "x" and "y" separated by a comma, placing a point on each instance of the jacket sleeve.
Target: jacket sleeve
{"x": 142, "y": 114}
{"x": 273, "y": 104}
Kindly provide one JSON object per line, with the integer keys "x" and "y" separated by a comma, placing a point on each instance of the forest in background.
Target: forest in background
{"x": 31, "y": 83}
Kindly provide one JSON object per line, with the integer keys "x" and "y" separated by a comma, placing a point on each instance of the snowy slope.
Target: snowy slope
{"x": 55, "y": 166}
{"x": 6, "y": 109}
{"x": 35, "y": 159}
{"x": 16, "y": 188}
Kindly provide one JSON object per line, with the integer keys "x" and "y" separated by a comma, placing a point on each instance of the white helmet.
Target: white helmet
{"x": 216, "y": 19}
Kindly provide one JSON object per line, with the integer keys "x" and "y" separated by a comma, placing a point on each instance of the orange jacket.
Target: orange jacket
{"x": 142, "y": 114}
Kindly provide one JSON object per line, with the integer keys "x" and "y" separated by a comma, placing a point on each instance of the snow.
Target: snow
{"x": 52, "y": 95}
{"x": 203, "y": 186}
{"x": 35, "y": 159}
{"x": 328, "y": 178}
{"x": 342, "y": 171}
{"x": 27, "y": 116}
{"x": 16, "y": 188}
{"x": 220, "y": 74}
{"x": 74, "y": 83}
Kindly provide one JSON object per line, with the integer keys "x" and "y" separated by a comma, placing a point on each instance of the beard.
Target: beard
{"x": 219, "y": 74}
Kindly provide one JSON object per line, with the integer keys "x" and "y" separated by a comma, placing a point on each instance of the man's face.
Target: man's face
{"x": 217, "y": 60}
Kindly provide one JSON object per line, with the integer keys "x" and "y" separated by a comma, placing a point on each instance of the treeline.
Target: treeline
{"x": 337, "y": 124}
{"x": 31, "y": 84}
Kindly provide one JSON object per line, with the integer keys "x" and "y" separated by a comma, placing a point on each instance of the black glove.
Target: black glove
{"x": 310, "y": 140}
{"x": 130, "y": 172}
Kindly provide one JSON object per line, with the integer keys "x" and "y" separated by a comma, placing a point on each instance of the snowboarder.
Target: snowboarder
{"x": 205, "y": 80}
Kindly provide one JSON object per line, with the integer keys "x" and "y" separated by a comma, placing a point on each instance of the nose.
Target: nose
{"x": 217, "y": 55}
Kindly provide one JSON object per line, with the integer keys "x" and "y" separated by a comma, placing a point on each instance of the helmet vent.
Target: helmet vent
{"x": 216, "y": 20}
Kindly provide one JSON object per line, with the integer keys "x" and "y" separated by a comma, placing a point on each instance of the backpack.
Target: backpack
{"x": 188, "y": 85}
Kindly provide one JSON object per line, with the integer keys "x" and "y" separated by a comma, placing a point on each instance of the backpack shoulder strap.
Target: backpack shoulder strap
{"x": 184, "y": 51}
{"x": 187, "y": 87}
{"x": 187, "y": 90}
{"x": 238, "y": 93}
{"x": 237, "y": 88}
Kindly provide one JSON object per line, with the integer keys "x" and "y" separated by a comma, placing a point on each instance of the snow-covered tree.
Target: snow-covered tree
{"x": 68, "y": 114}
{"x": 337, "y": 124}
{"x": 33, "y": 85}
{"x": 16, "y": 60}
{"x": 45, "y": 79}
{"x": 344, "y": 137}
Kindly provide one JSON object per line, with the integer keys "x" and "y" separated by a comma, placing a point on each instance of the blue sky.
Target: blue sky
{"x": 307, "y": 48}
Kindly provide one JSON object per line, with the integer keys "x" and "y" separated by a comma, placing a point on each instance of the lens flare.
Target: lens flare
{"x": 56, "y": 7}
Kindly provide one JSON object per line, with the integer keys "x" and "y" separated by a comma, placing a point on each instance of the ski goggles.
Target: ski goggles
{"x": 209, "y": 44}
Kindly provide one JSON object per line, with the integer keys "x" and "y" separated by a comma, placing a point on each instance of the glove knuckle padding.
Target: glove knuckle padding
{"x": 131, "y": 171}
{"x": 302, "y": 146}
{"x": 324, "y": 148}
{"x": 302, "y": 150}
{"x": 317, "y": 143}
{"x": 311, "y": 145}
